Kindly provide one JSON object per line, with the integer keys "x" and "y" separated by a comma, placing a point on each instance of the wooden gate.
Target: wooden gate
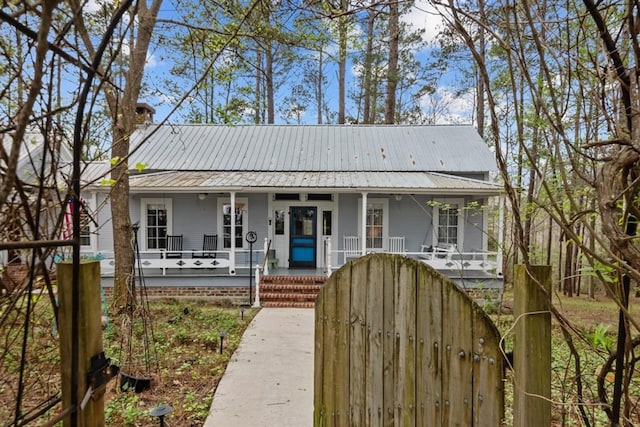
{"x": 396, "y": 343}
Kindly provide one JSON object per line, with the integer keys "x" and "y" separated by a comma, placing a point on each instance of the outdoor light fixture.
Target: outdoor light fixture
{"x": 202, "y": 196}
{"x": 222, "y": 335}
{"x": 398, "y": 197}
{"x": 160, "y": 412}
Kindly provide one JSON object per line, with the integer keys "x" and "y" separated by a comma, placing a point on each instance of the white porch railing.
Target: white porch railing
{"x": 443, "y": 259}
{"x": 153, "y": 260}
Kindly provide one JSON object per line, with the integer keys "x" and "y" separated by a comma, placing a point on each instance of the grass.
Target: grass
{"x": 188, "y": 361}
{"x": 593, "y": 327}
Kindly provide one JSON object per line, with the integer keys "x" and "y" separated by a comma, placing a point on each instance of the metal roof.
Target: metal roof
{"x": 400, "y": 182}
{"x": 309, "y": 148}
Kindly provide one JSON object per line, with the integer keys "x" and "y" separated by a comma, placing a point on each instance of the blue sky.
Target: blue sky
{"x": 421, "y": 16}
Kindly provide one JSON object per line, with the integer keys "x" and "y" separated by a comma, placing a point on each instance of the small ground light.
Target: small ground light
{"x": 160, "y": 412}
{"x": 242, "y": 312}
{"x": 222, "y": 335}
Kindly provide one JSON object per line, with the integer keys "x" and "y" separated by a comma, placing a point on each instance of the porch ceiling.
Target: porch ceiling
{"x": 396, "y": 182}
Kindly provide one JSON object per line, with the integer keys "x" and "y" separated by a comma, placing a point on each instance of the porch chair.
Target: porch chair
{"x": 396, "y": 245}
{"x": 174, "y": 246}
{"x": 209, "y": 247}
{"x": 351, "y": 245}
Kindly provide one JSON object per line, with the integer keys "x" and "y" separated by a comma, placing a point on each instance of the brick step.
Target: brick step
{"x": 309, "y": 280}
{"x": 290, "y": 291}
{"x": 288, "y": 304}
{"x": 282, "y": 287}
{"x": 277, "y": 296}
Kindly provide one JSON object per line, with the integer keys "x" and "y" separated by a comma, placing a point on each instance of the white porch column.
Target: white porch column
{"x": 500, "y": 234}
{"x": 265, "y": 249}
{"x": 232, "y": 255}
{"x": 256, "y": 300}
{"x": 363, "y": 230}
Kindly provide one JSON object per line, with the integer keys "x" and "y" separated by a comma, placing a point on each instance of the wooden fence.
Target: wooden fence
{"x": 399, "y": 344}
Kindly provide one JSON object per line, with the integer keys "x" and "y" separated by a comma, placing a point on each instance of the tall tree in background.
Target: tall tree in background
{"x": 121, "y": 102}
{"x": 392, "y": 66}
{"x": 571, "y": 88}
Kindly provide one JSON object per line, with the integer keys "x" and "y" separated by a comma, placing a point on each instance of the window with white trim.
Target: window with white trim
{"x": 156, "y": 223}
{"x": 377, "y": 226}
{"x": 85, "y": 226}
{"x": 240, "y": 217}
{"x": 447, "y": 223}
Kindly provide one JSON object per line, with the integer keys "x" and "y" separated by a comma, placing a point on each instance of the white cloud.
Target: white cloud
{"x": 447, "y": 107}
{"x": 152, "y": 61}
{"x": 425, "y": 16}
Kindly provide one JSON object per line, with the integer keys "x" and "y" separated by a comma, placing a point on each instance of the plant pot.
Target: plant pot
{"x": 131, "y": 382}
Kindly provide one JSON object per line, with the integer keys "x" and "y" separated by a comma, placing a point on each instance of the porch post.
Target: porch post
{"x": 363, "y": 230}
{"x": 265, "y": 262}
{"x": 256, "y": 300}
{"x": 500, "y": 234}
{"x": 232, "y": 255}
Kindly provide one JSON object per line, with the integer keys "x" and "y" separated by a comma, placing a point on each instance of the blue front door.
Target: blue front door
{"x": 302, "y": 237}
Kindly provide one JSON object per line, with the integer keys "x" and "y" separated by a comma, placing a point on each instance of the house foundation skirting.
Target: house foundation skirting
{"x": 214, "y": 292}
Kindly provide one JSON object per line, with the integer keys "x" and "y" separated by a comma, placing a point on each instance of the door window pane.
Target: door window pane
{"x": 238, "y": 217}
{"x": 156, "y": 226}
{"x": 375, "y": 216}
{"x": 448, "y": 225}
{"x": 303, "y": 222}
{"x": 279, "y": 222}
{"x": 326, "y": 223}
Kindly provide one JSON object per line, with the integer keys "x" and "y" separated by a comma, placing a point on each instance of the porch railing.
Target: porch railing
{"x": 443, "y": 259}
{"x": 154, "y": 260}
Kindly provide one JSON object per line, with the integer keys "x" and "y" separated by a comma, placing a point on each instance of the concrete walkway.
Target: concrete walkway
{"x": 269, "y": 380}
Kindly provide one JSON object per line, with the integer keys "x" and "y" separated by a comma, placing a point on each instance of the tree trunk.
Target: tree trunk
{"x": 342, "y": 60}
{"x": 319, "y": 92}
{"x": 122, "y": 110}
{"x": 368, "y": 64}
{"x": 269, "y": 83}
{"x": 392, "y": 70}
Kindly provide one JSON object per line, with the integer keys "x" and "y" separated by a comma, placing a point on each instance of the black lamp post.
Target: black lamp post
{"x": 251, "y": 238}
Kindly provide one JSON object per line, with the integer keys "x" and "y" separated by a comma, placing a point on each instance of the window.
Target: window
{"x": 447, "y": 223}
{"x": 279, "y": 225}
{"x": 240, "y": 219}
{"x": 156, "y": 214}
{"x": 375, "y": 229}
{"x": 85, "y": 226}
{"x": 320, "y": 196}
{"x": 377, "y": 225}
{"x": 326, "y": 223}
{"x": 448, "y": 226}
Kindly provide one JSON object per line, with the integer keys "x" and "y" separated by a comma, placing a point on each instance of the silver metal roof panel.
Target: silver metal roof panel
{"x": 408, "y": 182}
{"x": 312, "y": 148}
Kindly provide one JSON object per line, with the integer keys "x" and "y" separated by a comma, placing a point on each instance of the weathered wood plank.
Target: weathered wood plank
{"x": 375, "y": 345}
{"x": 328, "y": 360}
{"x": 89, "y": 338}
{"x": 488, "y": 389}
{"x": 388, "y": 362}
{"x": 405, "y": 349}
{"x": 429, "y": 348}
{"x": 458, "y": 374}
{"x": 399, "y": 342}
{"x": 318, "y": 360}
{"x": 532, "y": 347}
{"x": 358, "y": 335}
{"x": 342, "y": 343}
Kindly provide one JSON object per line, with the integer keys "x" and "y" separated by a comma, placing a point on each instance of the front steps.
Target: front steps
{"x": 290, "y": 291}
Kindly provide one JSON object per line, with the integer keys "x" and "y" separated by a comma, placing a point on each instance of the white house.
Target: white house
{"x": 313, "y": 195}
